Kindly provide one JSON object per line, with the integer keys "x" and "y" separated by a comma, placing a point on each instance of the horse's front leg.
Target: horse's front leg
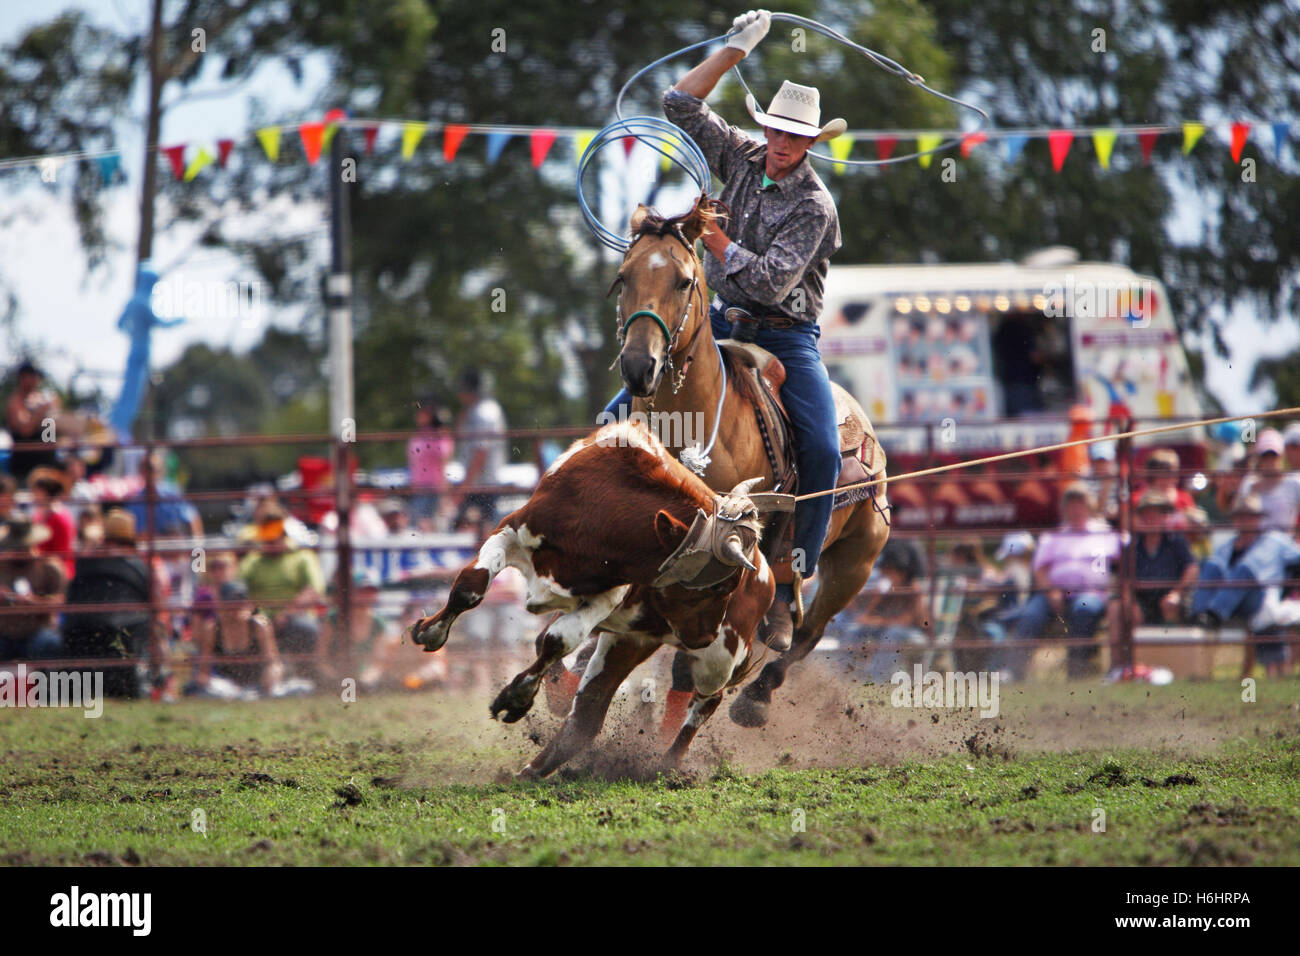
{"x": 561, "y": 638}
{"x": 616, "y": 656}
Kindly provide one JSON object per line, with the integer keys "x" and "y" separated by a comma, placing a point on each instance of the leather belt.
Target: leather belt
{"x": 733, "y": 313}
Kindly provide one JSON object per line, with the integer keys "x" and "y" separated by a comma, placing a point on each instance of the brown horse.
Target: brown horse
{"x": 672, "y": 368}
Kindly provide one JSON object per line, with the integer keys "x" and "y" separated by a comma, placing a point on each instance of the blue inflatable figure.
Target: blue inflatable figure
{"x": 138, "y": 321}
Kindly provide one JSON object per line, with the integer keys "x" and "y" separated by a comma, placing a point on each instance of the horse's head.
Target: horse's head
{"x": 662, "y": 303}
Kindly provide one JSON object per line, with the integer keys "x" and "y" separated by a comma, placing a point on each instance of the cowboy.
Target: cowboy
{"x": 772, "y": 263}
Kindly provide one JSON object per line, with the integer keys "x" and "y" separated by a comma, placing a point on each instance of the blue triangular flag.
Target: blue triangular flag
{"x": 108, "y": 166}
{"x": 1280, "y": 132}
{"x": 1014, "y": 144}
{"x": 495, "y": 143}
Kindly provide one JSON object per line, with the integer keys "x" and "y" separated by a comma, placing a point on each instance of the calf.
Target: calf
{"x": 619, "y": 538}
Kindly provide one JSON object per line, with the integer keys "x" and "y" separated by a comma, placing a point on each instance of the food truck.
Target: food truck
{"x": 957, "y": 362}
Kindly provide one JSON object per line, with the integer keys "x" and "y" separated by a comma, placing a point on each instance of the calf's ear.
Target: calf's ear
{"x": 669, "y": 530}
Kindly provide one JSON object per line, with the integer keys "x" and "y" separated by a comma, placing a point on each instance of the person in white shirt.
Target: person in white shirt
{"x": 1278, "y": 491}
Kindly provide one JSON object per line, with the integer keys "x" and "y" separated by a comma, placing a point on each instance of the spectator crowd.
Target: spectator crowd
{"x": 103, "y": 557}
{"x": 1209, "y": 549}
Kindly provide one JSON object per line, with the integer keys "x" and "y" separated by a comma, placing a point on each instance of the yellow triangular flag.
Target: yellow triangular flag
{"x": 581, "y": 140}
{"x": 841, "y": 146}
{"x": 412, "y": 133}
{"x": 269, "y": 137}
{"x": 669, "y": 150}
{"x": 1191, "y": 133}
{"x": 1103, "y": 141}
{"x": 198, "y": 162}
{"x": 924, "y": 144}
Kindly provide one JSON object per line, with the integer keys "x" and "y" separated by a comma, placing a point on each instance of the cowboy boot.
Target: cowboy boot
{"x": 777, "y": 627}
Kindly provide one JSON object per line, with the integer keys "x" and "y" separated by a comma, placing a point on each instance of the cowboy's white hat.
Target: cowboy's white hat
{"x": 796, "y": 109}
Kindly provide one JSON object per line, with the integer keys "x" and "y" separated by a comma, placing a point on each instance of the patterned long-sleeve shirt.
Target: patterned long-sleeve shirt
{"x": 782, "y": 236}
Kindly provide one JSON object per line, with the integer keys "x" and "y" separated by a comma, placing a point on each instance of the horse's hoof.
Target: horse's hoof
{"x": 430, "y": 633}
{"x": 748, "y": 710}
{"x": 515, "y": 700}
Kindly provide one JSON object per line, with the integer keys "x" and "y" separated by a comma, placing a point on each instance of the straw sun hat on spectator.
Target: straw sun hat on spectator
{"x": 119, "y": 527}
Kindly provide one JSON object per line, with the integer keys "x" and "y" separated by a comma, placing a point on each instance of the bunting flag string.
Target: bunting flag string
{"x": 176, "y": 156}
{"x": 1103, "y": 141}
{"x": 201, "y": 158}
{"x": 841, "y": 146}
{"x": 924, "y": 143}
{"x": 540, "y": 143}
{"x": 1059, "y": 140}
{"x": 269, "y": 137}
{"x": 317, "y": 135}
{"x": 313, "y": 138}
{"x": 496, "y": 142}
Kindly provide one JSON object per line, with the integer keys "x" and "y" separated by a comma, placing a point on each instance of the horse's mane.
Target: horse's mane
{"x": 702, "y": 215}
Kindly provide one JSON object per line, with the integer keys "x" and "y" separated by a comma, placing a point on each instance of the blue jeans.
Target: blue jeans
{"x": 807, "y": 397}
{"x": 1228, "y": 602}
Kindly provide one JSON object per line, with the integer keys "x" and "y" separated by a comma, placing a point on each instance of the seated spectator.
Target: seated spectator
{"x": 220, "y": 567}
{"x": 978, "y": 618}
{"x": 1158, "y": 554}
{"x": 1160, "y": 473}
{"x": 393, "y": 513}
{"x": 894, "y": 613}
{"x": 1291, "y": 447}
{"x": 286, "y": 581}
{"x": 1254, "y": 560}
{"x": 1103, "y": 473}
{"x": 27, "y": 411}
{"x": 236, "y": 630}
{"x": 48, "y": 487}
{"x": 90, "y": 528}
{"x": 173, "y": 516}
{"x": 427, "y": 454}
{"x": 30, "y": 581}
{"x": 105, "y": 578}
{"x": 1278, "y": 492}
{"x": 1071, "y": 575}
{"x": 8, "y": 497}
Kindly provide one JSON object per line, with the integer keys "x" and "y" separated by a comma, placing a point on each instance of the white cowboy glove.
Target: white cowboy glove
{"x": 747, "y": 29}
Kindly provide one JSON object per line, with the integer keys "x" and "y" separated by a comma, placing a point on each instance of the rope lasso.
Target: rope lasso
{"x": 669, "y": 140}
{"x": 1043, "y": 449}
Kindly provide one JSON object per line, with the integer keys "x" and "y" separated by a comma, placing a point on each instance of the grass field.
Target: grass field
{"x": 1185, "y": 774}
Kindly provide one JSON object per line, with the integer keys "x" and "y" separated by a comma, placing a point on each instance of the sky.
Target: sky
{"x": 72, "y": 317}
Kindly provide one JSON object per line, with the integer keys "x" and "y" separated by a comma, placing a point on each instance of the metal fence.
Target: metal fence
{"x": 175, "y": 614}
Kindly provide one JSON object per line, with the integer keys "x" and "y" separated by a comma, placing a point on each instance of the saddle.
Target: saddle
{"x": 861, "y": 455}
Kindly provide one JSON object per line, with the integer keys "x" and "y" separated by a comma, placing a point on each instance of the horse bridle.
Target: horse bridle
{"x": 671, "y": 336}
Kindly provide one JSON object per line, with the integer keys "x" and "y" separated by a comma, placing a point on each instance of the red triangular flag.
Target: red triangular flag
{"x": 312, "y": 135}
{"x": 1240, "y": 133}
{"x": 370, "y": 133}
{"x": 224, "y": 146}
{"x": 885, "y": 146}
{"x": 1059, "y": 140}
{"x": 1148, "y": 142}
{"x": 540, "y": 140}
{"x": 970, "y": 141}
{"x": 452, "y": 135}
{"x": 176, "y": 156}
{"x": 629, "y": 143}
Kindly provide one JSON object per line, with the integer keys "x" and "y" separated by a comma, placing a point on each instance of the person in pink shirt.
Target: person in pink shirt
{"x": 48, "y": 487}
{"x": 1071, "y": 577}
{"x": 427, "y": 454}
